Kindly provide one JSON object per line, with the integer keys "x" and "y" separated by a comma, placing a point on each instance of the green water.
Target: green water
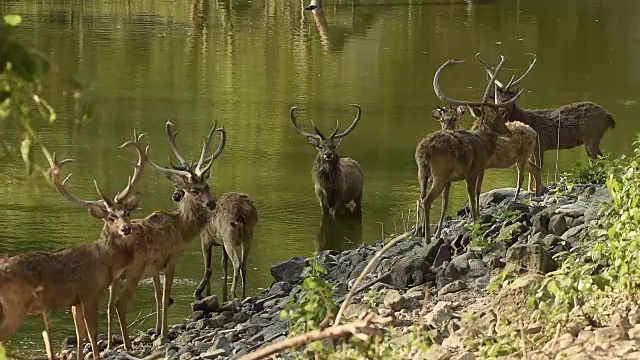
{"x": 246, "y": 63}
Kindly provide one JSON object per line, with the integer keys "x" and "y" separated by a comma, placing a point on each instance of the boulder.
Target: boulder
{"x": 207, "y": 305}
{"x": 531, "y": 257}
{"x": 558, "y": 224}
{"x": 289, "y": 271}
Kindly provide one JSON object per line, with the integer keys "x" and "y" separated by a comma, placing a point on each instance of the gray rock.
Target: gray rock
{"x": 574, "y": 210}
{"x": 289, "y": 271}
{"x": 465, "y": 356}
{"x": 443, "y": 255}
{"x": 437, "y": 352}
{"x": 196, "y": 315}
{"x": 510, "y": 233}
{"x": 497, "y": 196}
{"x": 447, "y": 275}
{"x": 634, "y": 332}
{"x": 573, "y": 233}
{"x": 206, "y": 305}
{"x": 550, "y": 241}
{"x": 477, "y": 265}
{"x": 537, "y": 238}
{"x": 280, "y": 287}
{"x": 241, "y": 317}
{"x": 558, "y": 224}
{"x": 415, "y": 293}
{"x": 222, "y": 343}
{"x": 452, "y": 287}
{"x": 393, "y": 300}
{"x": 609, "y": 334}
{"x": 440, "y": 315}
{"x": 461, "y": 264}
{"x": 533, "y": 258}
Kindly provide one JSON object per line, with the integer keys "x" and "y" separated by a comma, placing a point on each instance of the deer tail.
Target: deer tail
{"x": 612, "y": 121}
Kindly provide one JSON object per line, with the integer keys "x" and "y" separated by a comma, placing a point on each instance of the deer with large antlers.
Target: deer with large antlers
{"x": 75, "y": 277}
{"x": 337, "y": 180}
{"x": 514, "y": 149}
{"x": 571, "y": 125}
{"x": 454, "y": 155}
{"x": 164, "y": 235}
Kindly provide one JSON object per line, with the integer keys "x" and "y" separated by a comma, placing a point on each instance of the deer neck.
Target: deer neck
{"x": 192, "y": 218}
{"x": 117, "y": 250}
{"x": 326, "y": 172}
{"x": 514, "y": 113}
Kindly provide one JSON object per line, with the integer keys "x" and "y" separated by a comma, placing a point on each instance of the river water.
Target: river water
{"x": 246, "y": 63}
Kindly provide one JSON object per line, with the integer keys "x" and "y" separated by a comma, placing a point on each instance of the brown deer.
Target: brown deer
{"x": 455, "y": 155}
{"x": 513, "y": 149}
{"x": 75, "y": 277}
{"x": 571, "y": 125}
{"x": 337, "y": 181}
{"x": 231, "y": 226}
{"x": 164, "y": 235}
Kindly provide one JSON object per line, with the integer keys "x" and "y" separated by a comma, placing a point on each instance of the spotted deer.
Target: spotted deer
{"x": 76, "y": 277}
{"x": 514, "y": 149}
{"x": 454, "y": 155}
{"x": 164, "y": 235}
{"x": 571, "y": 125}
{"x": 231, "y": 226}
{"x": 337, "y": 180}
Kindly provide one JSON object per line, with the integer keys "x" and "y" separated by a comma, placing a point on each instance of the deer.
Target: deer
{"x": 231, "y": 226}
{"x": 455, "y": 155}
{"x": 76, "y": 277}
{"x": 571, "y": 125}
{"x": 337, "y": 180}
{"x": 164, "y": 235}
{"x": 515, "y": 149}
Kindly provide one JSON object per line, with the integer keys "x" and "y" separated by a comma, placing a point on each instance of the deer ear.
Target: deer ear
{"x": 437, "y": 114}
{"x": 475, "y": 111}
{"x": 313, "y": 141}
{"x": 460, "y": 110}
{"x": 132, "y": 201}
{"x": 178, "y": 181}
{"x": 97, "y": 211}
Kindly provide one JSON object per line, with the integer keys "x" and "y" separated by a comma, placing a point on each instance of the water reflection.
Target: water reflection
{"x": 341, "y": 231}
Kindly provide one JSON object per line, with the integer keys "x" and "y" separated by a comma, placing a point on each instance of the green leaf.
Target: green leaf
{"x": 12, "y": 20}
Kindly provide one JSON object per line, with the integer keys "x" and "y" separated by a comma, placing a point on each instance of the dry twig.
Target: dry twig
{"x": 362, "y": 329}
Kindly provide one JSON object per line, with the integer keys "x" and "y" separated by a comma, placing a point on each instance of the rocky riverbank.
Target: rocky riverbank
{"x": 442, "y": 287}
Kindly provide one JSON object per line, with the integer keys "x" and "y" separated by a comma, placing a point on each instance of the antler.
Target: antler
{"x": 292, "y": 114}
{"x": 531, "y": 63}
{"x": 172, "y": 142}
{"x": 443, "y": 97}
{"x": 199, "y": 170}
{"x": 137, "y": 167}
{"x": 351, "y": 127}
{"x": 54, "y": 169}
{"x": 488, "y": 70}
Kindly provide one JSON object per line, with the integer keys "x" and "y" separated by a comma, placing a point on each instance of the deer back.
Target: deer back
{"x": 233, "y": 220}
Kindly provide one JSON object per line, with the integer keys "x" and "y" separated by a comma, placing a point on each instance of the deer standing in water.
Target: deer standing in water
{"x": 164, "y": 235}
{"x": 75, "y": 277}
{"x": 454, "y": 155}
{"x": 231, "y": 226}
{"x": 337, "y": 181}
{"x": 571, "y": 125}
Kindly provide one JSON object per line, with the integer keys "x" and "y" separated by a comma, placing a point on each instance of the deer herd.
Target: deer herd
{"x": 502, "y": 135}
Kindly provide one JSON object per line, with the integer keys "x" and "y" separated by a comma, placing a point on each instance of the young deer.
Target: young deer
{"x": 513, "y": 149}
{"x": 231, "y": 226}
{"x": 75, "y": 277}
{"x": 164, "y": 235}
{"x": 337, "y": 181}
{"x": 571, "y": 125}
{"x": 455, "y": 155}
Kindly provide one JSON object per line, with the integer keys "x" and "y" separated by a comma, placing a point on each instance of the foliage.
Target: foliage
{"x": 595, "y": 171}
{"x": 3, "y": 353}
{"x": 21, "y": 96}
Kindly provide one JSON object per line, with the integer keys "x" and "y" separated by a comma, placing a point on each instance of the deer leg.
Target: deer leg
{"x": 358, "y": 201}
{"x": 110, "y": 308}
{"x": 521, "y": 166}
{"x": 157, "y": 293}
{"x": 436, "y": 189}
{"x": 11, "y": 322}
{"x": 237, "y": 264}
{"x": 225, "y": 269}
{"x": 81, "y": 329}
{"x": 169, "y": 273}
{"x": 423, "y": 180}
{"x": 133, "y": 277}
{"x": 471, "y": 191}
{"x": 443, "y": 210}
{"x": 243, "y": 269}
{"x": 592, "y": 147}
{"x": 478, "y": 191}
{"x": 205, "y": 283}
{"x": 47, "y": 335}
{"x": 90, "y": 310}
{"x": 535, "y": 171}
{"x": 537, "y": 154}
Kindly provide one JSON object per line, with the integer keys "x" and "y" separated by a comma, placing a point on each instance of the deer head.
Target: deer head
{"x": 190, "y": 180}
{"x": 448, "y": 117}
{"x": 486, "y": 113}
{"x": 114, "y": 212}
{"x": 504, "y": 93}
{"x": 326, "y": 146}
